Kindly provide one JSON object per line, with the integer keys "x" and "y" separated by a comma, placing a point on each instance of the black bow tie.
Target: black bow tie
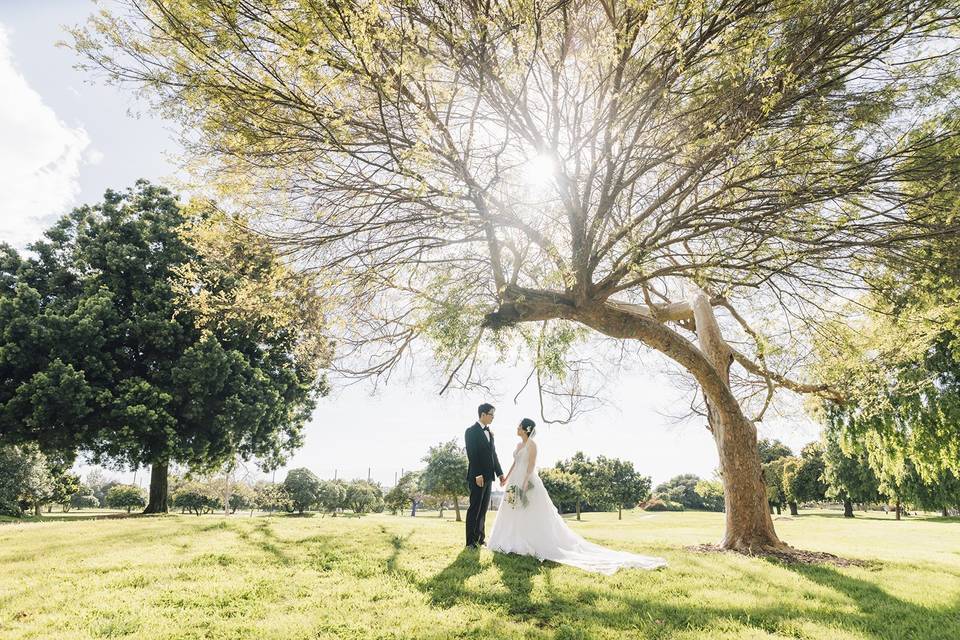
{"x": 486, "y": 428}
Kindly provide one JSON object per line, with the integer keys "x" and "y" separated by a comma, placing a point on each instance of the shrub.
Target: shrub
{"x": 656, "y": 504}
{"x": 126, "y": 495}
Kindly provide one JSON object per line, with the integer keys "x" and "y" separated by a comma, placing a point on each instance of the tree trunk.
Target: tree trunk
{"x": 749, "y": 525}
{"x": 413, "y": 510}
{"x": 847, "y": 509}
{"x": 898, "y": 509}
{"x": 456, "y": 506}
{"x": 578, "y": 509}
{"x": 945, "y": 513}
{"x": 793, "y": 508}
{"x": 227, "y": 486}
{"x": 620, "y": 513}
{"x": 36, "y": 509}
{"x": 158, "y": 488}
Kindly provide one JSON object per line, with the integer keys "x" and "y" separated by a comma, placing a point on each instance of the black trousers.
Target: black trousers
{"x": 477, "y": 511}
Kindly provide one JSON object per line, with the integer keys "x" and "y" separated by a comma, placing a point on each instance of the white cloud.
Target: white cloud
{"x": 40, "y": 157}
{"x": 93, "y": 156}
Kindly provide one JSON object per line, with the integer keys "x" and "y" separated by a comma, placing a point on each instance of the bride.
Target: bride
{"x": 527, "y": 522}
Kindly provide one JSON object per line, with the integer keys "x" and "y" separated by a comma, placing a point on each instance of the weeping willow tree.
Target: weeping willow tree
{"x": 896, "y": 367}
{"x": 672, "y": 175}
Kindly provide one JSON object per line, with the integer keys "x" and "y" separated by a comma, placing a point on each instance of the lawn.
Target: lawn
{"x": 384, "y": 576}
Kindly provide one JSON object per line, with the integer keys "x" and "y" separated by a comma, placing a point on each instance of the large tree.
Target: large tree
{"x": 145, "y": 331}
{"x": 669, "y": 174}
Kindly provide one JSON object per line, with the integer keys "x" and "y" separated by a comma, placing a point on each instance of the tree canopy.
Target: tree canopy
{"x": 664, "y": 173}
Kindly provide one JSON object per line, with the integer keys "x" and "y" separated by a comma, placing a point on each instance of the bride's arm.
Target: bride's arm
{"x": 507, "y": 477}
{"x": 531, "y": 463}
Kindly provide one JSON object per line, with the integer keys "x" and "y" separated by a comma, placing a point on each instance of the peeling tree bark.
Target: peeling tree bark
{"x": 749, "y": 527}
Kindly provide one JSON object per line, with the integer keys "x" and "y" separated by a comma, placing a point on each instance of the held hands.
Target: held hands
{"x": 503, "y": 480}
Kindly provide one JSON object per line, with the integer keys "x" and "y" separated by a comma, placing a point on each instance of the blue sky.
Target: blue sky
{"x": 64, "y": 140}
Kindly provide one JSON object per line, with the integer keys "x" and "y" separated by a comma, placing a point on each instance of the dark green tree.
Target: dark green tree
{"x": 596, "y": 490}
{"x": 627, "y": 487}
{"x": 847, "y": 472}
{"x": 565, "y": 489}
{"x": 770, "y": 450}
{"x": 331, "y": 496}
{"x": 803, "y": 477}
{"x": 242, "y": 497}
{"x": 84, "y": 501}
{"x": 362, "y": 496}
{"x": 303, "y": 488}
{"x": 144, "y": 332}
{"x": 773, "y": 478}
{"x": 125, "y": 496}
{"x": 272, "y": 497}
{"x": 65, "y": 486}
{"x": 444, "y": 474}
{"x": 195, "y": 497}
{"x": 710, "y": 493}
{"x": 681, "y": 489}
{"x": 405, "y": 492}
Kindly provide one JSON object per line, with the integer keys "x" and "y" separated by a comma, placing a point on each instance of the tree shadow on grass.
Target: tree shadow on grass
{"x": 882, "y": 615}
{"x": 517, "y": 574}
{"x": 655, "y": 609}
{"x": 448, "y": 587}
{"x": 262, "y": 538}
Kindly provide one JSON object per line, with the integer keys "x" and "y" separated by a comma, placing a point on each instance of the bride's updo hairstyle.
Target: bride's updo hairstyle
{"x": 528, "y": 425}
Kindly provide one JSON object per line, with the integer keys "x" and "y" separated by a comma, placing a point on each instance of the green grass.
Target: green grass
{"x": 398, "y": 577}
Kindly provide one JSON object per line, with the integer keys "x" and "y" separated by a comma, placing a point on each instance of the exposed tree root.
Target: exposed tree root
{"x": 783, "y": 553}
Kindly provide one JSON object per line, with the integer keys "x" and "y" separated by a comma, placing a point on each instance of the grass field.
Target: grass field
{"x": 384, "y": 576}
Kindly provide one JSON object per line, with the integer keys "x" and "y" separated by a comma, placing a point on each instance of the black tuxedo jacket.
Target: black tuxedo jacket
{"x": 481, "y": 454}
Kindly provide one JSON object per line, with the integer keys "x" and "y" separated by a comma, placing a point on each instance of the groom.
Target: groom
{"x": 482, "y": 464}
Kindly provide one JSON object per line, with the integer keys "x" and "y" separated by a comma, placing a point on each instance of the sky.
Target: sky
{"x": 65, "y": 137}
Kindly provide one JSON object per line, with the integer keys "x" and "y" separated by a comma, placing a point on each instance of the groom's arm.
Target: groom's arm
{"x": 472, "y": 455}
{"x": 496, "y": 464}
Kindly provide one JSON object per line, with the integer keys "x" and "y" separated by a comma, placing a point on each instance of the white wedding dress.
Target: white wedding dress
{"x": 538, "y": 530}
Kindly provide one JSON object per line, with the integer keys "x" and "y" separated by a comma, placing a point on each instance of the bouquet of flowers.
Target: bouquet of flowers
{"x": 517, "y": 497}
